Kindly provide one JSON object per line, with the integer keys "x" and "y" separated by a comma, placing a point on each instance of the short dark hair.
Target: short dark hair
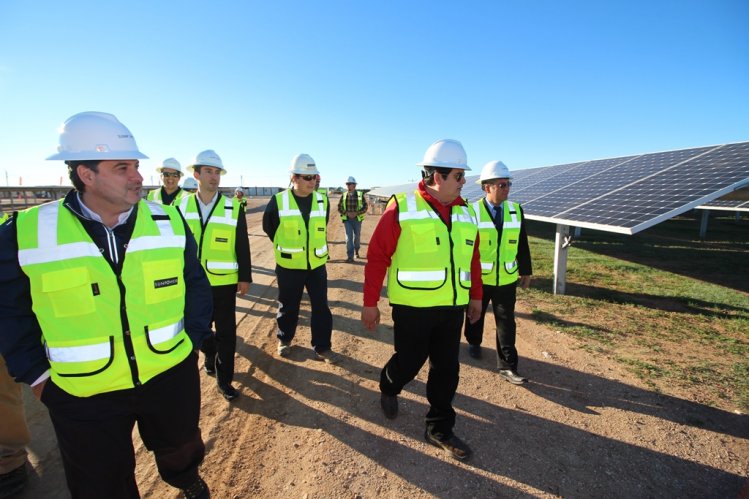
{"x": 91, "y": 164}
{"x": 428, "y": 173}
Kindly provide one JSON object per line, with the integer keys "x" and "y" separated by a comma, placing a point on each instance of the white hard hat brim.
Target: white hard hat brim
{"x": 440, "y": 164}
{"x": 191, "y": 168}
{"x": 94, "y": 156}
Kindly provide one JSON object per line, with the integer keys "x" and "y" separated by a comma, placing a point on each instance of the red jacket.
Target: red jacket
{"x": 385, "y": 239}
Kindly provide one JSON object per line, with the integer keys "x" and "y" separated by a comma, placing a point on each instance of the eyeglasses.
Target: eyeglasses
{"x": 502, "y": 185}
{"x": 306, "y": 177}
{"x": 170, "y": 174}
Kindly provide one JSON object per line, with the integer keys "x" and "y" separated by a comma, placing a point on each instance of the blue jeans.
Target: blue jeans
{"x": 353, "y": 236}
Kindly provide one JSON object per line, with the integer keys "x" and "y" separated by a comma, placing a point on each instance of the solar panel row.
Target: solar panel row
{"x": 626, "y": 194}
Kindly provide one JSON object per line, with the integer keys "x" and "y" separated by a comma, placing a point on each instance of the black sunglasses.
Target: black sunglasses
{"x": 170, "y": 174}
{"x": 306, "y": 177}
{"x": 502, "y": 185}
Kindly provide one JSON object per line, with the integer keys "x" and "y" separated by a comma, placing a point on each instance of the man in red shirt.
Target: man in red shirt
{"x": 428, "y": 240}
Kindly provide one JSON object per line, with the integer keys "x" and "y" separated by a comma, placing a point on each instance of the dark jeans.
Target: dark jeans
{"x": 421, "y": 333}
{"x": 353, "y": 236}
{"x": 222, "y": 344}
{"x": 503, "y": 305}
{"x": 95, "y": 434}
{"x": 291, "y": 284}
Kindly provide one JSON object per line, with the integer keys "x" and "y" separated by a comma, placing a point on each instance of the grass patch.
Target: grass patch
{"x": 655, "y": 302}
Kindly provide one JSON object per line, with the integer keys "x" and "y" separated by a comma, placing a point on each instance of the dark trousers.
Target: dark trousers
{"x": 95, "y": 434}
{"x": 503, "y": 305}
{"x": 291, "y": 284}
{"x": 222, "y": 344}
{"x": 421, "y": 333}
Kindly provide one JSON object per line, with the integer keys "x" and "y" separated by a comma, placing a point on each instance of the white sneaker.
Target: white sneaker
{"x": 284, "y": 348}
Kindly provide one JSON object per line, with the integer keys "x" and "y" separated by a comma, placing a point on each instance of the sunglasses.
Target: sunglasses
{"x": 458, "y": 176}
{"x": 306, "y": 177}
{"x": 502, "y": 185}
{"x": 169, "y": 174}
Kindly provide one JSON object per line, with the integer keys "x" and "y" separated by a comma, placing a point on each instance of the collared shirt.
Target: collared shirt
{"x": 121, "y": 219}
{"x": 205, "y": 209}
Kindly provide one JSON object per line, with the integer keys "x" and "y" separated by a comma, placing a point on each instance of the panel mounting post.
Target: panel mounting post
{"x": 561, "y": 244}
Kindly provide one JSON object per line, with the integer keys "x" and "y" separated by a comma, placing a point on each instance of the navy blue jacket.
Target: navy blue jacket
{"x": 20, "y": 334}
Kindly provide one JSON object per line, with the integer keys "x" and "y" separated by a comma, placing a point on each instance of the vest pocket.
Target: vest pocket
{"x": 72, "y": 359}
{"x": 220, "y": 239}
{"x": 422, "y": 279}
{"x": 69, "y": 291}
{"x": 163, "y": 281}
{"x": 423, "y": 238}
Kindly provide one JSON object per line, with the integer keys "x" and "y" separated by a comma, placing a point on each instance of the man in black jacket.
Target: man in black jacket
{"x": 505, "y": 265}
{"x": 103, "y": 306}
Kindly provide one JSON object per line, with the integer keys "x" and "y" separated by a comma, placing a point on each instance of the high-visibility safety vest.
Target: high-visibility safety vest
{"x": 359, "y": 205}
{"x": 431, "y": 265}
{"x": 103, "y": 332}
{"x": 216, "y": 239}
{"x": 499, "y": 264}
{"x": 155, "y": 196}
{"x": 298, "y": 245}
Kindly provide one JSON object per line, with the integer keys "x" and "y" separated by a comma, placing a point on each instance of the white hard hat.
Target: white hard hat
{"x": 492, "y": 170}
{"x": 303, "y": 164}
{"x": 351, "y": 180}
{"x": 169, "y": 163}
{"x": 446, "y": 153}
{"x": 95, "y": 136}
{"x": 207, "y": 158}
{"x": 239, "y": 189}
{"x": 190, "y": 183}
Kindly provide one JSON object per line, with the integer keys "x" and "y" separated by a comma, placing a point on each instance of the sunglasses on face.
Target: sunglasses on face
{"x": 306, "y": 177}
{"x": 169, "y": 174}
{"x": 503, "y": 185}
{"x": 458, "y": 176}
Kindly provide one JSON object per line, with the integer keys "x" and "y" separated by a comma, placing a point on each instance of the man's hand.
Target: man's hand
{"x": 525, "y": 281}
{"x": 242, "y": 287}
{"x": 351, "y": 214}
{"x": 474, "y": 310}
{"x": 38, "y": 389}
{"x": 370, "y": 316}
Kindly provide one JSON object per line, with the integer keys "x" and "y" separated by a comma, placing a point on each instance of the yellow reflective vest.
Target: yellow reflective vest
{"x": 296, "y": 244}
{"x": 79, "y": 300}
{"x": 359, "y": 205}
{"x": 499, "y": 264}
{"x": 155, "y": 196}
{"x": 431, "y": 265}
{"x": 217, "y": 238}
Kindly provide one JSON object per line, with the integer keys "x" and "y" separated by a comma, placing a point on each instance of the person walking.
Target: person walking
{"x": 170, "y": 192}
{"x": 104, "y": 304}
{"x": 296, "y": 221}
{"x": 505, "y": 265}
{"x": 220, "y": 229}
{"x": 14, "y": 436}
{"x": 352, "y": 206}
{"x": 426, "y": 242}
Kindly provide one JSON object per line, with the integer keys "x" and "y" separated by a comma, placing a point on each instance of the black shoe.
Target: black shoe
{"x": 474, "y": 351}
{"x": 452, "y": 444}
{"x": 350, "y": 259}
{"x": 228, "y": 391}
{"x": 389, "y": 404}
{"x": 13, "y": 482}
{"x": 210, "y": 369}
{"x": 512, "y": 376}
{"x": 198, "y": 490}
{"x": 357, "y": 254}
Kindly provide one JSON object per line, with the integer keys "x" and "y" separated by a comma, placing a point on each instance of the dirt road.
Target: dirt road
{"x": 581, "y": 428}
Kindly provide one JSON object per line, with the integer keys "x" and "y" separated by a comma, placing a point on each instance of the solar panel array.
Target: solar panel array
{"x": 626, "y": 194}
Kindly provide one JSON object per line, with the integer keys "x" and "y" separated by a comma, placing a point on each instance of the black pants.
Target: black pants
{"x": 95, "y": 434}
{"x": 222, "y": 345}
{"x": 421, "y": 333}
{"x": 503, "y": 305}
{"x": 291, "y": 284}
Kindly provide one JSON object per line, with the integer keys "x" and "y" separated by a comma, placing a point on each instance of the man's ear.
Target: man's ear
{"x": 86, "y": 174}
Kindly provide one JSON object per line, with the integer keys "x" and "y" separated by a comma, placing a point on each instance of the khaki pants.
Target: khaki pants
{"x": 14, "y": 434}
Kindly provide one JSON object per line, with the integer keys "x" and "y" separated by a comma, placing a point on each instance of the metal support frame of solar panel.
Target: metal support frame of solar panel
{"x": 737, "y": 200}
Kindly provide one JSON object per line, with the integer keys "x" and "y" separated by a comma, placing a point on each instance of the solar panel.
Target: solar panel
{"x": 625, "y": 194}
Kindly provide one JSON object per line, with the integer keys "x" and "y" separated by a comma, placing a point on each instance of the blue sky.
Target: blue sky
{"x": 365, "y": 87}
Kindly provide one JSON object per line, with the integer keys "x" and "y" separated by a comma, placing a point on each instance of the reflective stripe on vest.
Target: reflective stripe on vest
{"x": 298, "y": 245}
{"x": 431, "y": 265}
{"x": 77, "y": 298}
